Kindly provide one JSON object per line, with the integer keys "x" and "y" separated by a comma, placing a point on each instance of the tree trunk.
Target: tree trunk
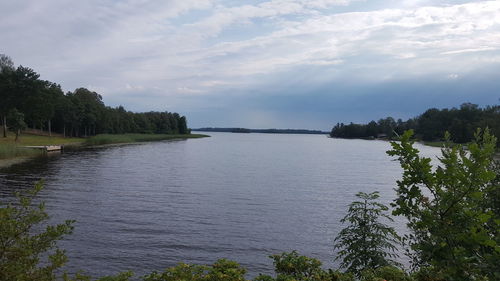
{"x": 50, "y": 130}
{"x": 64, "y": 129}
{"x": 4, "y": 126}
{"x": 18, "y": 132}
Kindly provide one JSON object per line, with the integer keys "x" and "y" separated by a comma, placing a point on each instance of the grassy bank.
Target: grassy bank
{"x": 131, "y": 138}
{"x": 27, "y": 139}
{"x": 12, "y": 151}
{"x": 9, "y": 149}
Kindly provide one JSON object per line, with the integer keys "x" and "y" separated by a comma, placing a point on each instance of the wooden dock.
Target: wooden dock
{"x": 47, "y": 148}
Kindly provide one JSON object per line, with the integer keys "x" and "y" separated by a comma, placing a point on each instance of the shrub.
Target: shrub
{"x": 366, "y": 243}
{"x": 22, "y": 248}
{"x": 222, "y": 270}
{"x": 291, "y": 266}
{"x": 452, "y": 210}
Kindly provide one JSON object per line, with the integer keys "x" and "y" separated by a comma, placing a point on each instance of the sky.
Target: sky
{"x": 263, "y": 64}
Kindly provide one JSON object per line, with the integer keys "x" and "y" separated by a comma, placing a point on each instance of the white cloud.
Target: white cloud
{"x": 202, "y": 46}
{"x": 472, "y": 50}
{"x": 188, "y": 90}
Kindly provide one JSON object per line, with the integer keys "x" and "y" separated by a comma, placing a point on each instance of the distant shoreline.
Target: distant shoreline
{"x": 262, "y": 131}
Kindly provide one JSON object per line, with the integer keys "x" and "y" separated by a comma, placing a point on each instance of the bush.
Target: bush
{"x": 22, "y": 248}
{"x": 291, "y": 266}
{"x": 452, "y": 210}
{"x": 222, "y": 270}
{"x": 388, "y": 273}
{"x": 366, "y": 243}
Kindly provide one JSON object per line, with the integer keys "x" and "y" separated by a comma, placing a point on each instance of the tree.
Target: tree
{"x": 22, "y": 249}
{"x": 6, "y": 69}
{"x": 16, "y": 121}
{"x": 92, "y": 106}
{"x": 453, "y": 211}
{"x": 372, "y": 129}
{"x": 366, "y": 243}
{"x": 6, "y": 63}
{"x": 183, "y": 129}
{"x": 387, "y": 126}
{"x": 25, "y": 85}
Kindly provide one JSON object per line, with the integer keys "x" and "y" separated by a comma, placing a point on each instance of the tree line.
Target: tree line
{"x": 461, "y": 123}
{"x": 27, "y": 100}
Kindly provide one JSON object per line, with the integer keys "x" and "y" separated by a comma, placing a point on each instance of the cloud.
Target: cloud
{"x": 175, "y": 51}
{"x": 482, "y": 49}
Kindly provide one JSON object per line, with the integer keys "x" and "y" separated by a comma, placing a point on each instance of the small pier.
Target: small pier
{"x": 47, "y": 148}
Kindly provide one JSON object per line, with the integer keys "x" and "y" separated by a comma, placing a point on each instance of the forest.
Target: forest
{"x": 28, "y": 101}
{"x": 460, "y": 122}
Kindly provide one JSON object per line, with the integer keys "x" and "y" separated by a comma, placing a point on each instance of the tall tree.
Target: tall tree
{"x": 6, "y": 69}
{"x": 16, "y": 121}
{"x": 6, "y": 63}
{"x": 92, "y": 106}
{"x": 26, "y": 88}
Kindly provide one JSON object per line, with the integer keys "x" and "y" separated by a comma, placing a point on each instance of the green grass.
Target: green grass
{"x": 131, "y": 138}
{"x": 27, "y": 139}
{"x": 10, "y": 149}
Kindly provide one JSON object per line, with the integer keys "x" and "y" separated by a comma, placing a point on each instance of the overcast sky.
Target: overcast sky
{"x": 263, "y": 64}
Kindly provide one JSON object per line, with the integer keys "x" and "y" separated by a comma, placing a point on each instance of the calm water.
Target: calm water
{"x": 239, "y": 196}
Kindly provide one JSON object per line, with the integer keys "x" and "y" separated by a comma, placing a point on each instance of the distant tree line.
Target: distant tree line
{"x": 43, "y": 105}
{"x": 263, "y": 131}
{"x": 461, "y": 123}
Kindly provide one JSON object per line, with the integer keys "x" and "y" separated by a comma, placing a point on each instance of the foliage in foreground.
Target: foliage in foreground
{"x": 453, "y": 211}
{"x": 366, "y": 242}
{"x": 22, "y": 247}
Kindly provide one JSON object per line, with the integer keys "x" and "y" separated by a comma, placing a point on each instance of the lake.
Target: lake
{"x": 144, "y": 207}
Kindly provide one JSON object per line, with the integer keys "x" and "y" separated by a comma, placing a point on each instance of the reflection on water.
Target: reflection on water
{"x": 239, "y": 196}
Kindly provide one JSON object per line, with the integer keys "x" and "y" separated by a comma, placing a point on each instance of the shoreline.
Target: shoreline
{"x": 6, "y": 163}
{"x": 438, "y": 144}
{"x": 103, "y": 141}
{"x": 435, "y": 144}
